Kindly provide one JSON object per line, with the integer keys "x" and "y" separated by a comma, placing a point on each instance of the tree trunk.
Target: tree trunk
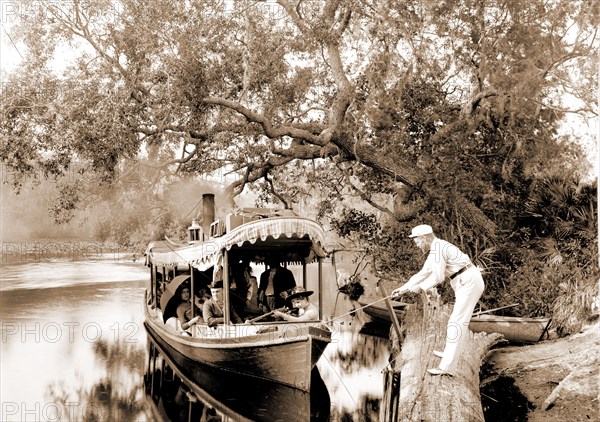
{"x": 424, "y": 397}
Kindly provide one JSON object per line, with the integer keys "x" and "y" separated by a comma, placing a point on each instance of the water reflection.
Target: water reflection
{"x": 74, "y": 348}
{"x": 72, "y": 353}
{"x": 179, "y": 389}
{"x": 376, "y": 329}
{"x": 116, "y": 396}
{"x": 352, "y": 370}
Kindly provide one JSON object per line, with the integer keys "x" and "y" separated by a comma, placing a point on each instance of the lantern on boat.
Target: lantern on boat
{"x": 194, "y": 232}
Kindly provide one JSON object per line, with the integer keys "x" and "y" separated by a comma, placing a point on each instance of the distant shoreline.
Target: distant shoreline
{"x": 44, "y": 250}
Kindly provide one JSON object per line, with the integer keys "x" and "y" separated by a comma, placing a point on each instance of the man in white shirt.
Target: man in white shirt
{"x": 446, "y": 260}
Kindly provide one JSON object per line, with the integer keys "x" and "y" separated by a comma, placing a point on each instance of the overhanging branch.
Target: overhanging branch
{"x": 269, "y": 130}
{"x": 366, "y": 197}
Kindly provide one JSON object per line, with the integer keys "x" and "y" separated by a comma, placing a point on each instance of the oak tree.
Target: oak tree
{"x": 439, "y": 111}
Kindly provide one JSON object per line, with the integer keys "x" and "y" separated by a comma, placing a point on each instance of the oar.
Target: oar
{"x": 495, "y": 309}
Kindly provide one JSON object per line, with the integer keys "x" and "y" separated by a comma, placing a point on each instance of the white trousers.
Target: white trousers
{"x": 468, "y": 288}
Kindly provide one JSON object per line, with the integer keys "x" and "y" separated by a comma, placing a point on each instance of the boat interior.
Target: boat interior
{"x": 240, "y": 268}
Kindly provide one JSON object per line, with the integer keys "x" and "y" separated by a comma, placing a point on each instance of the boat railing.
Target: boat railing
{"x": 271, "y": 332}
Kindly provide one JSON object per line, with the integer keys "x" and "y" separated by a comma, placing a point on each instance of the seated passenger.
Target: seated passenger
{"x": 213, "y": 308}
{"x": 184, "y": 310}
{"x": 306, "y": 311}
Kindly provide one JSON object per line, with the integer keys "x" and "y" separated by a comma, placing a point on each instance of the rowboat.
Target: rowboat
{"x": 516, "y": 329}
{"x": 279, "y": 351}
{"x": 379, "y": 312}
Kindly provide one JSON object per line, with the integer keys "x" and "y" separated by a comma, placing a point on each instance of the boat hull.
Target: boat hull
{"x": 284, "y": 353}
{"x": 525, "y": 330}
{"x": 237, "y": 397}
{"x": 380, "y": 313}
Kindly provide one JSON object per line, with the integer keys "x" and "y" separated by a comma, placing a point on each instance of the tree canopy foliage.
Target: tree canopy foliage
{"x": 446, "y": 112}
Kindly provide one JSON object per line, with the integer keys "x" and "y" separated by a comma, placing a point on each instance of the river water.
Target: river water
{"x": 74, "y": 348}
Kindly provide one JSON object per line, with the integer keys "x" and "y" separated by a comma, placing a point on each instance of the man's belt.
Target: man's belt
{"x": 462, "y": 270}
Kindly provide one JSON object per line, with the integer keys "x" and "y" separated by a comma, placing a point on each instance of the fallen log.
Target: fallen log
{"x": 423, "y": 397}
{"x": 558, "y": 378}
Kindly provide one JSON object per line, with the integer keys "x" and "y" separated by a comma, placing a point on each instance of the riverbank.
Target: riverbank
{"x": 554, "y": 380}
{"x": 67, "y": 249}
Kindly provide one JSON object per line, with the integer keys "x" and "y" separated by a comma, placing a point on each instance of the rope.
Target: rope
{"x": 362, "y": 307}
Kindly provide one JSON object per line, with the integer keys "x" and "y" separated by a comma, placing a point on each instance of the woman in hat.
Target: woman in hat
{"x": 298, "y": 298}
{"x": 446, "y": 260}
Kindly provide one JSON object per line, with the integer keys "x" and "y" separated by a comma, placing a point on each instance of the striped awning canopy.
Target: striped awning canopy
{"x": 296, "y": 236}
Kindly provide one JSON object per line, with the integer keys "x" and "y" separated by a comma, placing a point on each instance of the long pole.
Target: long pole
{"x": 320, "y": 280}
{"x": 226, "y": 314}
{"x": 362, "y": 307}
{"x": 258, "y": 318}
{"x": 192, "y": 290}
{"x": 395, "y": 322}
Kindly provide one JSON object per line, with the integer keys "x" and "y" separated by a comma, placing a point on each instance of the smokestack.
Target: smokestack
{"x": 208, "y": 213}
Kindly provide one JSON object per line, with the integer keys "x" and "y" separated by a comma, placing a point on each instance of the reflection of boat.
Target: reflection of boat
{"x": 273, "y": 350}
{"x": 176, "y": 385}
{"x": 376, "y": 329}
{"x": 513, "y": 328}
{"x": 379, "y": 311}
{"x": 172, "y": 396}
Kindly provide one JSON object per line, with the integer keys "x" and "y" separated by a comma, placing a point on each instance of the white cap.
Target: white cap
{"x": 421, "y": 230}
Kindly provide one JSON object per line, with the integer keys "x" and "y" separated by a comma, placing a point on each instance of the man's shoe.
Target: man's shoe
{"x": 438, "y": 354}
{"x": 438, "y": 371}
